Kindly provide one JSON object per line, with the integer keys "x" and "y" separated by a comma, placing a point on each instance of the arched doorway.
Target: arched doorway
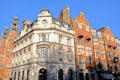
{"x": 70, "y": 74}
{"x": 60, "y": 74}
{"x": 42, "y": 74}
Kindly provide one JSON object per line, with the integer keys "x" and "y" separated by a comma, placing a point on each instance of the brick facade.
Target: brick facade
{"x": 6, "y": 47}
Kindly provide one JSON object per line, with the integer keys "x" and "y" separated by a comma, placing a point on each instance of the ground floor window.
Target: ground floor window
{"x": 42, "y": 74}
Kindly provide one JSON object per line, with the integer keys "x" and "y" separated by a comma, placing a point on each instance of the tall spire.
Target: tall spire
{"x": 14, "y": 24}
{"x": 5, "y": 33}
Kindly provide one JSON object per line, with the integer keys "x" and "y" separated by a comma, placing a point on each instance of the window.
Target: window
{"x": 59, "y": 39}
{"x": 89, "y": 60}
{"x": 96, "y": 53}
{"x": 103, "y": 54}
{"x": 95, "y": 39}
{"x": 44, "y": 23}
{"x": 70, "y": 74}
{"x": 95, "y": 43}
{"x": 94, "y": 32}
{"x": 88, "y": 50}
{"x": 79, "y": 25}
{"x": 86, "y": 28}
{"x": 43, "y": 52}
{"x": 69, "y": 55}
{"x": 110, "y": 56}
{"x": 81, "y": 62}
{"x": 101, "y": 45}
{"x": 43, "y": 38}
{"x": 80, "y": 37}
{"x": 60, "y": 55}
{"x": 68, "y": 42}
{"x": 99, "y": 34}
{"x": 80, "y": 49}
{"x": 97, "y": 63}
{"x": 88, "y": 40}
{"x": 104, "y": 65}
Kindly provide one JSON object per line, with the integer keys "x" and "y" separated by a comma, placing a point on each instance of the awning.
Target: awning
{"x": 107, "y": 76}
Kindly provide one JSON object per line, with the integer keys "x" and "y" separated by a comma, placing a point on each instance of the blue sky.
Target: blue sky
{"x": 99, "y": 13}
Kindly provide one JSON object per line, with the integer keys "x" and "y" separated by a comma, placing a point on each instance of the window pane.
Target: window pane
{"x": 44, "y": 23}
{"x": 43, "y": 37}
{"x": 68, "y": 42}
{"x": 60, "y": 55}
{"x": 69, "y": 55}
{"x": 43, "y": 52}
{"x": 59, "y": 39}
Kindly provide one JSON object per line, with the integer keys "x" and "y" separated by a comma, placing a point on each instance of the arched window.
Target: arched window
{"x": 23, "y": 75}
{"x": 28, "y": 74}
{"x": 19, "y": 75}
{"x": 44, "y": 23}
{"x": 70, "y": 74}
{"x": 60, "y": 74}
{"x": 42, "y": 74}
{"x": 15, "y": 76}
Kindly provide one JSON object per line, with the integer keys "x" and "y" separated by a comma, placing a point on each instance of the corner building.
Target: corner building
{"x": 44, "y": 50}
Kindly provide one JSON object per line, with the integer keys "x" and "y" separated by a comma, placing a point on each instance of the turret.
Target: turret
{"x": 5, "y": 33}
{"x": 14, "y": 24}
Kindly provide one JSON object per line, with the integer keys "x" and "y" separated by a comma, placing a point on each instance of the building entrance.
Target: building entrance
{"x": 42, "y": 74}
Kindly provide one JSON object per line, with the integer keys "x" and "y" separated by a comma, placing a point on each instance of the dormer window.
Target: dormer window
{"x": 88, "y": 39}
{"x": 80, "y": 37}
{"x": 44, "y": 23}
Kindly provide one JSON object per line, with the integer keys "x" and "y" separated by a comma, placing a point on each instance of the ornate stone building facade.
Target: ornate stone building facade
{"x": 6, "y": 48}
{"x": 58, "y": 49}
{"x": 44, "y": 50}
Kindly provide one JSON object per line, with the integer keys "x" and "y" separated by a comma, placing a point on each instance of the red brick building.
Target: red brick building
{"x": 6, "y": 47}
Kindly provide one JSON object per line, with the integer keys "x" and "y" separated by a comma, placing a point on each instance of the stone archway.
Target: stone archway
{"x": 42, "y": 74}
{"x": 60, "y": 74}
